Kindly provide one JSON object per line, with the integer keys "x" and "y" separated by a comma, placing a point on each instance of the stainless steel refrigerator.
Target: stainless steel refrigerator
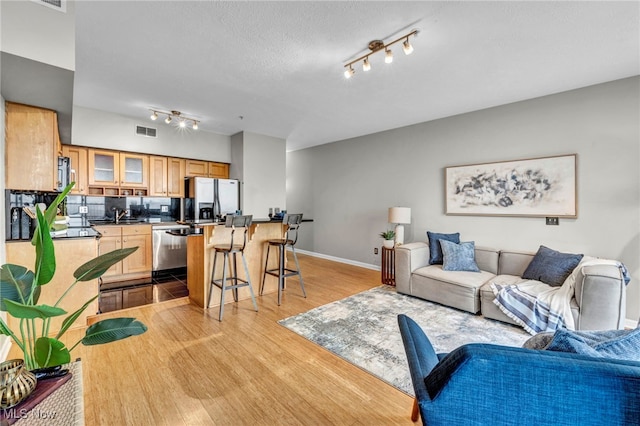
{"x": 211, "y": 199}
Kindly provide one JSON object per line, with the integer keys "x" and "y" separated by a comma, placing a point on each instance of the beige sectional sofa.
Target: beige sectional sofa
{"x": 598, "y": 302}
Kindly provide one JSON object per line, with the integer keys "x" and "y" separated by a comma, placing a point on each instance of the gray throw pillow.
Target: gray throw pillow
{"x": 435, "y": 251}
{"x": 623, "y": 344}
{"x": 551, "y": 267}
{"x": 459, "y": 257}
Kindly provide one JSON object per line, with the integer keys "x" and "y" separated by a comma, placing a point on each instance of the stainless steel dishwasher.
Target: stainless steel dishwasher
{"x": 169, "y": 251}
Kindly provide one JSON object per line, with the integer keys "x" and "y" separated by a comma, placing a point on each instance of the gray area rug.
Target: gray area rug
{"x": 363, "y": 329}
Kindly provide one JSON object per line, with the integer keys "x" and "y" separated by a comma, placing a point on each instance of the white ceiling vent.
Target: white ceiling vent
{"x": 59, "y": 5}
{"x": 146, "y": 131}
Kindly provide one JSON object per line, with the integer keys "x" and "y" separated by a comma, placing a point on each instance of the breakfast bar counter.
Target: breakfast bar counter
{"x": 200, "y": 241}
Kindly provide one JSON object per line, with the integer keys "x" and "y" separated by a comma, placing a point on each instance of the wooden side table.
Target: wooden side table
{"x": 388, "y": 266}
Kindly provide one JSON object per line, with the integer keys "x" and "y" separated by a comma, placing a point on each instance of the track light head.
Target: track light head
{"x": 388, "y": 56}
{"x": 168, "y": 119}
{"x": 195, "y": 125}
{"x": 182, "y": 123}
{"x": 349, "y": 72}
{"x": 154, "y": 116}
{"x": 407, "y": 47}
{"x": 366, "y": 65}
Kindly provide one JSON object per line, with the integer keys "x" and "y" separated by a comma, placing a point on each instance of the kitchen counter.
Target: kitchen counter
{"x": 200, "y": 242}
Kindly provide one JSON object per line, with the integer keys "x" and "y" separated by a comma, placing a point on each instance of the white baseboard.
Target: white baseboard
{"x": 339, "y": 259}
{"x": 630, "y": 323}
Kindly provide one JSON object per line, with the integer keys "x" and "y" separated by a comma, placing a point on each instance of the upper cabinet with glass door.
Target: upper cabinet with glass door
{"x": 118, "y": 173}
{"x": 134, "y": 170}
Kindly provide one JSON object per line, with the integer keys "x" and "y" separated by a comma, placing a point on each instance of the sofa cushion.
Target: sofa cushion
{"x": 616, "y": 344}
{"x": 551, "y": 267}
{"x": 435, "y": 251}
{"x": 458, "y": 257}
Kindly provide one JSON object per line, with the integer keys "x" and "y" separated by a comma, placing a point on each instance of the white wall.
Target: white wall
{"x": 259, "y": 162}
{"x": 353, "y": 182}
{"x": 100, "y": 129}
{"x": 39, "y": 33}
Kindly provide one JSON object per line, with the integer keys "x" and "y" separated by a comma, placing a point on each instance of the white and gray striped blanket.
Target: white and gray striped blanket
{"x": 538, "y": 307}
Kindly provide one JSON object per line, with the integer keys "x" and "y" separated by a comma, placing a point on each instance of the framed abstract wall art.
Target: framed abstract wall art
{"x": 535, "y": 187}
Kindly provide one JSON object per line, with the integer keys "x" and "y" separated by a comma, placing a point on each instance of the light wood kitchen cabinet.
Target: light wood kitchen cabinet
{"x": 134, "y": 170}
{"x": 176, "y": 172}
{"x": 219, "y": 170}
{"x": 158, "y": 184}
{"x": 104, "y": 168}
{"x": 32, "y": 147}
{"x": 207, "y": 169}
{"x": 137, "y": 265}
{"x": 166, "y": 176}
{"x": 71, "y": 253}
{"x": 197, "y": 168}
{"x": 118, "y": 173}
{"x": 78, "y": 157}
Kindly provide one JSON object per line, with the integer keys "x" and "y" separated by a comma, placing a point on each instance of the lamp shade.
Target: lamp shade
{"x": 399, "y": 215}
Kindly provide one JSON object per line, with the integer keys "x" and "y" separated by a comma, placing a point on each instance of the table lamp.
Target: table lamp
{"x": 399, "y": 216}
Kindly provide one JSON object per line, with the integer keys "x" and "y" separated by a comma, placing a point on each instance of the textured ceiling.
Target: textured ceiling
{"x": 278, "y": 65}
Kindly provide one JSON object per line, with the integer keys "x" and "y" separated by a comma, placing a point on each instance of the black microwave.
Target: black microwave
{"x": 64, "y": 173}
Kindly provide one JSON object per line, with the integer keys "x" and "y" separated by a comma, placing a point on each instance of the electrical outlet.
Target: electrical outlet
{"x": 375, "y": 250}
{"x": 164, "y": 209}
{"x": 84, "y": 209}
{"x": 553, "y": 221}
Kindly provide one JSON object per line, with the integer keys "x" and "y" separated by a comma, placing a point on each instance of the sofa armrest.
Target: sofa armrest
{"x": 601, "y": 297}
{"x": 409, "y": 257}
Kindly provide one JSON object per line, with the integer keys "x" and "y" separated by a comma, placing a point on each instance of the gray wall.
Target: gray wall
{"x": 101, "y": 129}
{"x": 347, "y": 186}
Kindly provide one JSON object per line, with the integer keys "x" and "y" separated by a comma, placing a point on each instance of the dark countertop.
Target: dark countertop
{"x": 195, "y": 226}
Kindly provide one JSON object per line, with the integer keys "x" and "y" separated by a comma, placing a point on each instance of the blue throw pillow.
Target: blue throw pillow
{"x": 459, "y": 257}
{"x": 551, "y": 267}
{"x": 435, "y": 251}
{"x": 623, "y": 344}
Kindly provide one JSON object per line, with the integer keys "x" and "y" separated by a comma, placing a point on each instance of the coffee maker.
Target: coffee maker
{"x": 19, "y": 225}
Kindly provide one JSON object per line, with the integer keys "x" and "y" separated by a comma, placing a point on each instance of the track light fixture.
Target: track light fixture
{"x": 182, "y": 120}
{"x": 378, "y": 45}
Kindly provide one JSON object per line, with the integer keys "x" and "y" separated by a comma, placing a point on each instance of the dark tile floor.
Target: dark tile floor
{"x": 163, "y": 286}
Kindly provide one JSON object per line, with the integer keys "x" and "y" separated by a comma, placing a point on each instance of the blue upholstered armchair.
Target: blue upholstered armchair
{"x": 481, "y": 384}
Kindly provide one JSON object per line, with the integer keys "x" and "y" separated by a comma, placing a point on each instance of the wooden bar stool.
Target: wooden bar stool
{"x": 235, "y": 223}
{"x": 292, "y": 222}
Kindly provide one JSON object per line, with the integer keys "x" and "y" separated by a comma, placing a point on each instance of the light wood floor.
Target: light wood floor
{"x": 191, "y": 369}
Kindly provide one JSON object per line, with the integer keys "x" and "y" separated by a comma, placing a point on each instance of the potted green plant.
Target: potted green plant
{"x": 389, "y": 237}
{"x": 20, "y": 290}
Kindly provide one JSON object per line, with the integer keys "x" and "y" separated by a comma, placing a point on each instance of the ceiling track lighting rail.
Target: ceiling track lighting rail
{"x": 376, "y": 46}
{"x": 181, "y": 119}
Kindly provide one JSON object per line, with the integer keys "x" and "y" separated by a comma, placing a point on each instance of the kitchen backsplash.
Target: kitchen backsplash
{"x": 165, "y": 209}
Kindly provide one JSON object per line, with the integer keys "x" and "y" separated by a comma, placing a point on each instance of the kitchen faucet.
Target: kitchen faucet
{"x": 118, "y": 215}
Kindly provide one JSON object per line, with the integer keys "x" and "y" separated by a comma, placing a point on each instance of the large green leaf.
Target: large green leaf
{"x": 50, "y": 215}
{"x": 45, "y": 254}
{"x": 52, "y": 210}
{"x": 20, "y": 310}
{"x": 110, "y": 330}
{"x": 15, "y": 284}
{"x": 68, "y": 321}
{"x": 96, "y": 267}
{"x": 50, "y": 352}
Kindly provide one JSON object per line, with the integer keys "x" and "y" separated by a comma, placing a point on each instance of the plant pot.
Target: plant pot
{"x": 388, "y": 244}
{"x": 16, "y": 383}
